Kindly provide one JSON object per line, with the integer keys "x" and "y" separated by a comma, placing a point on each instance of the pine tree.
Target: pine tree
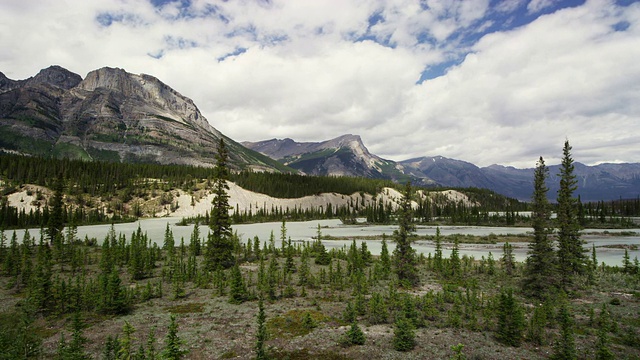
{"x": 75, "y": 349}
{"x": 219, "y": 251}
{"x": 404, "y": 254}
{"x": 238, "y": 290}
{"x": 354, "y": 335}
{"x": 438, "y": 264}
{"x": 603, "y": 352}
{"x": 511, "y": 321}
{"x": 125, "y": 350}
{"x": 540, "y": 270}
{"x": 571, "y": 254}
{"x": 565, "y": 347}
{"x": 508, "y": 260}
{"x": 261, "y": 334}
{"x": 56, "y": 220}
{"x": 151, "y": 353}
{"x": 172, "y": 342}
{"x": 404, "y": 338}
{"x": 385, "y": 260}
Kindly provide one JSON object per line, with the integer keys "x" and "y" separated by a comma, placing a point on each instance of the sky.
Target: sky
{"x": 484, "y": 81}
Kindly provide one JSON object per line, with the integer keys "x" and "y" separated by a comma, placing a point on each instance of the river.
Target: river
{"x": 305, "y": 230}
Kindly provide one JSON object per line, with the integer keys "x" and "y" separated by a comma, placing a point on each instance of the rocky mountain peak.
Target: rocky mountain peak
{"x": 149, "y": 90}
{"x": 57, "y": 76}
{"x": 6, "y": 84}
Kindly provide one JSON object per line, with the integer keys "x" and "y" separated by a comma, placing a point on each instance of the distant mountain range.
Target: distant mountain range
{"x": 347, "y": 155}
{"x": 117, "y": 116}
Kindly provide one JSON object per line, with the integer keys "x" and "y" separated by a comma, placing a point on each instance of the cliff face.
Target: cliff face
{"x": 111, "y": 115}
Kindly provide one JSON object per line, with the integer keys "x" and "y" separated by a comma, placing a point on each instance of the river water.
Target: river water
{"x": 305, "y": 230}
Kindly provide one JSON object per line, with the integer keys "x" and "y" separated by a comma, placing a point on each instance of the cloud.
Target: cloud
{"x": 316, "y": 70}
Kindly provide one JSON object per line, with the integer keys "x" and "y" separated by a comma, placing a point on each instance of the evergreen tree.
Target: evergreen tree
{"x": 385, "y": 260}
{"x": 151, "y": 353}
{"x": 404, "y": 338}
{"x": 75, "y": 349}
{"x": 540, "y": 270}
{"x": 404, "y": 254}
{"x": 603, "y": 352}
{"x": 565, "y": 348}
{"x": 172, "y": 342}
{"x": 125, "y": 348}
{"x": 511, "y": 321}
{"x": 261, "y": 334}
{"x": 56, "y": 220}
{"x": 571, "y": 254}
{"x": 354, "y": 335}
{"x": 238, "y": 290}
{"x": 219, "y": 251}
{"x": 438, "y": 265}
{"x": 508, "y": 259}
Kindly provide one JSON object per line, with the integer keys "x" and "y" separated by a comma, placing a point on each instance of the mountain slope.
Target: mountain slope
{"x": 111, "y": 115}
{"x": 343, "y": 156}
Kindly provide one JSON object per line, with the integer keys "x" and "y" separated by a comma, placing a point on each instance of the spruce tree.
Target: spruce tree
{"x": 571, "y": 254}
{"x": 238, "y": 290}
{"x": 56, "y": 220}
{"x": 511, "y": 321}
{"x": 565, "y": 347}
{"x": 603, "y": 352}
{"x": 404, "y": 338}
{"x": 172, "y": 342}
{"x": 261, "y": 334}
{"x": 404, "y": 254}
{"x": 219, "y": 251}
{"x": 540, "y": 269}
{"x": 75, "y": 348}
{"x": 354, "y": 335}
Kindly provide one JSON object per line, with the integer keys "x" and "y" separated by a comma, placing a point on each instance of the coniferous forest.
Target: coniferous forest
{"x": 217, "y": 295}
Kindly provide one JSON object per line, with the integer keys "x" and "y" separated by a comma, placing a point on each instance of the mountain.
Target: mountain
{"x": 343, "y": 156}
{"x": 112, "y": 115}
{"x": 346, "y": 155}
{"x": 599, "y": 182}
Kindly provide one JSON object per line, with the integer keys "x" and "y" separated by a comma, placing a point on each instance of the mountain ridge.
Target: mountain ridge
{"x": 607, "y": 181}
{"x": 112, "y": 115}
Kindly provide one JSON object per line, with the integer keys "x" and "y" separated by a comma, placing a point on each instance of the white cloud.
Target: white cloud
{"x": 517, "y": 95}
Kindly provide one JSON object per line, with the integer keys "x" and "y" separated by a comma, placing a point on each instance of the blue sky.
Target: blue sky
{"x": 484, "y": 81}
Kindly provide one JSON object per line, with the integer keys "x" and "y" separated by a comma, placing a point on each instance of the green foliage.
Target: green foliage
{"x": 603, "y": 352}
{"x": 219, "y": 252}
{"x": 19, "y": 336}
{"x": 404, "y": 254}
{"x": 511, "y": 321}
{"x": 540, "y": 276}
{"x": 404, "y": 338}
{"x": 354, "y": 336}
{"x": 238, "y": 290}
{"x": 172, "y": 343}
{"x": 261, "y": 334}
{"x": 565, "y": 347}
{"x": 571, "y": 254}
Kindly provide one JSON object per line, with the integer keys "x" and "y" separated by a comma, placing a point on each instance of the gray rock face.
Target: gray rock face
{"x": 111, "y": 115}
{"x": 55, "y": 76}
{"x": 343, "y": 156}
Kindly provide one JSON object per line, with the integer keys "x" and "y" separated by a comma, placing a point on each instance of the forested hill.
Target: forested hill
{"x": 106, "y": 191}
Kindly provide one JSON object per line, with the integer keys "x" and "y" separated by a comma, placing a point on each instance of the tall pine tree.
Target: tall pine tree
{"x": 404, "y": 254}
{"x": 219, "y": 251}
{"x": 540, "y": 270}
{"x": 572, "y": 259}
